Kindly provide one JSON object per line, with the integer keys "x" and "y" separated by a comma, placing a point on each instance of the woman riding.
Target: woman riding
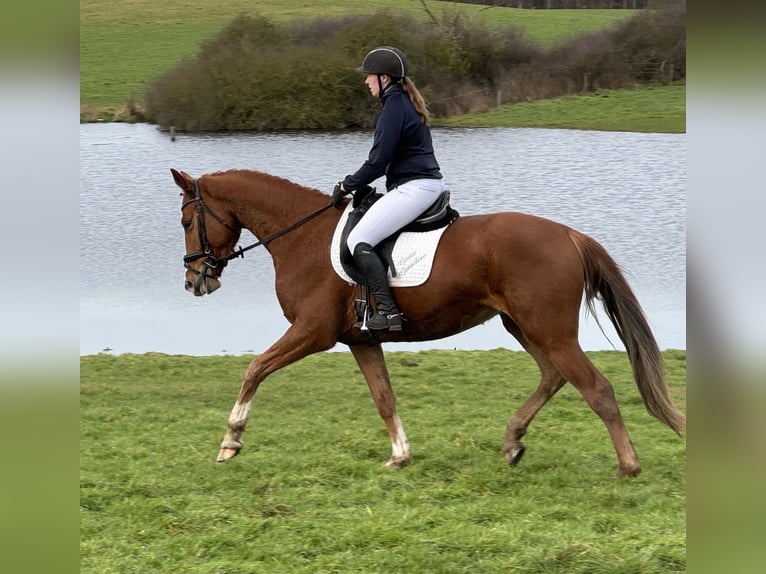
{"x": 402, "y": 150}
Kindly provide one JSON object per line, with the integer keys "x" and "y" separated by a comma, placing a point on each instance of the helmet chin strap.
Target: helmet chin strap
{"x": 380, "y": 86}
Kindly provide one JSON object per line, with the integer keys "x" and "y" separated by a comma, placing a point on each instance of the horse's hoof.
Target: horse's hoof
{"x": 227, "y": 454}
{"x": 397, "y": 462}
{"x": 633, "y": 471}
{"x": 514, "y": 455}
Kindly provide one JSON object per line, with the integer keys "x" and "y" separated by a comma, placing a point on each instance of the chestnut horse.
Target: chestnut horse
{"x": 531, "y": 271}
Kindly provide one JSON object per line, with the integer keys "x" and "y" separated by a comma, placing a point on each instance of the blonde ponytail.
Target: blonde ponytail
{"x": 417, "y": 100}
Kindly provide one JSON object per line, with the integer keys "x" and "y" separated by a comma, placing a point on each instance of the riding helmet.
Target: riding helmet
{"x": 385, "y": 60}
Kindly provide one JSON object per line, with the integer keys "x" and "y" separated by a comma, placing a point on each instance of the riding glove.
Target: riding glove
{"x": 338, "y": 193}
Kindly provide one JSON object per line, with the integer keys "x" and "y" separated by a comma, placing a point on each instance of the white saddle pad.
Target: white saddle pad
{"x": 413, "y": 254}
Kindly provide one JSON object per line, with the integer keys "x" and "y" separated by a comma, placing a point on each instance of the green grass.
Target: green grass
{"x": 124, "y": 45}
{"x": 646, "y": 109}
{"x": 117, "y": 61}
{"x": 309, "y": 493}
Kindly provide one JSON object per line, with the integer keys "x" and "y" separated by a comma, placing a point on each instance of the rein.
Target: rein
{"x": 240, "y": 252}
{"x": 211, "y": 260}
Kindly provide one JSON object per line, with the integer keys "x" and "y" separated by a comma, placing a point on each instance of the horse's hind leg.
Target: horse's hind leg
{"x": 550, "y": 382}
{"x": 599, "y": 394}
{"x": 373, "y": 366}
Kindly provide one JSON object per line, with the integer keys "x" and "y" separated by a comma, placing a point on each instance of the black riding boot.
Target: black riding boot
{"x": 386, "y": 316}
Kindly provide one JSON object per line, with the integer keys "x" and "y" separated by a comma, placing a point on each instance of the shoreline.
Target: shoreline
{"x": 643, "y": 109}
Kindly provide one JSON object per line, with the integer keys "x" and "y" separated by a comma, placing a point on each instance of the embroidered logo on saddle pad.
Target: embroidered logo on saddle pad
{"x": 412, "y": 255}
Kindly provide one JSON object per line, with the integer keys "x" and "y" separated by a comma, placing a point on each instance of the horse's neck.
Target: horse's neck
{"x": 266, "y": 204}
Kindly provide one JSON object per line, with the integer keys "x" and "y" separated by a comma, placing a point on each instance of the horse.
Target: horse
{"x": 533, "y": 272}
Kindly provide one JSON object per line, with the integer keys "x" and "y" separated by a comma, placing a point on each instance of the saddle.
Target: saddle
{"x": 439, "y": 215}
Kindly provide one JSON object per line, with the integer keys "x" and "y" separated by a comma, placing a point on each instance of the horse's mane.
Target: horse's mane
{"x": 273, "y": 180}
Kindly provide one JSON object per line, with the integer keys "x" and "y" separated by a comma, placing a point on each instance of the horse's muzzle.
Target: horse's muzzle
{"x": 204, "y": 285}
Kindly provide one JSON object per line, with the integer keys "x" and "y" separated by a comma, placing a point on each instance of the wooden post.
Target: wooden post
{"x": 172, "y": 133}
{"x": 499, "y": 99}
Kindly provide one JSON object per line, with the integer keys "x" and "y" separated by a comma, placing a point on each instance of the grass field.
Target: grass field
{"x": 124, "y": 45}
{"x": 646, "y": 109}
{"x": 309, "y": 493}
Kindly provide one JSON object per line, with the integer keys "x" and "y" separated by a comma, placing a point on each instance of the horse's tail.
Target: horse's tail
{"x": 603, "y": 278}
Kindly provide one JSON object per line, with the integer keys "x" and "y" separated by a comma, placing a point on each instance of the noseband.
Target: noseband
{"x": 211, "y": 260}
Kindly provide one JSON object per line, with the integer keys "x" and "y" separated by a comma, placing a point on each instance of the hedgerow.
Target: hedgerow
{"x": 257, "y": 74}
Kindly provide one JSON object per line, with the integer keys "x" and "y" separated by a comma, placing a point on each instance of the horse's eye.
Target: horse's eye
{"x": 186, "y": 224}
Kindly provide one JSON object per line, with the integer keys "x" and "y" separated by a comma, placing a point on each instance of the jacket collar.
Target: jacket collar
{"x": 389, "y": 90}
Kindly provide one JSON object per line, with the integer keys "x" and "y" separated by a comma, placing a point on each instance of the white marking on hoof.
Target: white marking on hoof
{"x": 240, "y": 413}
{"x": 400, "y": 447}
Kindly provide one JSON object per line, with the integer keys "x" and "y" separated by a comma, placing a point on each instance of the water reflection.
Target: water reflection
{"x": 625, "y": 189}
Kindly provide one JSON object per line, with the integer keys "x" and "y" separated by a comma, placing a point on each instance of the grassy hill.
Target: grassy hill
{"x": 123, "y": 45}
{"x": 657, "y": 109}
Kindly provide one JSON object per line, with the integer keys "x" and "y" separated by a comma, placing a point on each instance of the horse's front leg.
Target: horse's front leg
{"x": 295, "y": 344}
{"x": 372, "y": 363}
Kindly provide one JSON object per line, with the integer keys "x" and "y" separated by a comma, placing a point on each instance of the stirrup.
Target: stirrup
{"x": 362, "y": 325}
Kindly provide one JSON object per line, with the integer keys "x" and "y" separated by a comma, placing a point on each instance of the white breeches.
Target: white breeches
{"x": 397, "y": 208}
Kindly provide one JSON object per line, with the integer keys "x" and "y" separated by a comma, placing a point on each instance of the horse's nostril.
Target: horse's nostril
{"x": 188, "y": 285}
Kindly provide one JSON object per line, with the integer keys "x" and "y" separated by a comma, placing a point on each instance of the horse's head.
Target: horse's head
{"x": 211, "y": 231}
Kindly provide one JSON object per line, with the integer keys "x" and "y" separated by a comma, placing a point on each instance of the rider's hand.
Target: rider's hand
{"x": 338, "y": 193}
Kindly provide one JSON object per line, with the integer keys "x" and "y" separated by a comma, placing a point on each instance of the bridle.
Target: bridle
{"x": 212, "y": 261}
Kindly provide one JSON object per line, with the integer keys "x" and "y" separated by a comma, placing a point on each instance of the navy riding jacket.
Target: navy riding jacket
{"x": 402, "y": 147}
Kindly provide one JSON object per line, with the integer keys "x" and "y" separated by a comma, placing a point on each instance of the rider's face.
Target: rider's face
{"x": 372, "y": 83}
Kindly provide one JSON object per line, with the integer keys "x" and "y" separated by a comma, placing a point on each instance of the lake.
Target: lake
{"x": 628, "y": 190}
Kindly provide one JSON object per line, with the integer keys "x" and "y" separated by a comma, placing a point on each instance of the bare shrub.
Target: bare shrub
{"x": 260, "y": 75}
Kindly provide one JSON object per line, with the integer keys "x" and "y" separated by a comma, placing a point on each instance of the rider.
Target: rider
{"x": 402, "y": 150}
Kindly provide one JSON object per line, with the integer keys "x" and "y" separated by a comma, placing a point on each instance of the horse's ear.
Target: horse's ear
{"x": 183, "y": 180}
